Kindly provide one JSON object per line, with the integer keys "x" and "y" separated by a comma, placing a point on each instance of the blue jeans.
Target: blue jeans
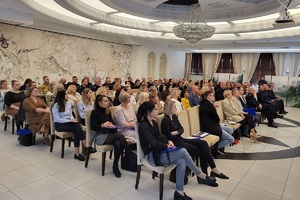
{"x": 227, "y": 137}
{"x": 181, "y": 158}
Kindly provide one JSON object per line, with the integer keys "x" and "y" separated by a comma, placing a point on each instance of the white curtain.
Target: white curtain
{"x": 210, "y": 63}
{"x": 287, "y": 64}
{"x": 187, "y": 67}
{"x": 245, "y": 63}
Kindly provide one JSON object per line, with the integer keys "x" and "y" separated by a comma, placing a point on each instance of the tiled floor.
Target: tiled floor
{"x": 266, "y": 171}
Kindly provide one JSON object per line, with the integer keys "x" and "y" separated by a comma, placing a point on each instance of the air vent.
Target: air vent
{"x": 218, "y": 5}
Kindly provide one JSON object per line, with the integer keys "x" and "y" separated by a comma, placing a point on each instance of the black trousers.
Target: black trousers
{"x": 280, "y": 104}
{"x": 198, "y": 148}
{"x": 269, "y": 111}
{"x": 73, "y": 127}
{"x": 248, "y": 120}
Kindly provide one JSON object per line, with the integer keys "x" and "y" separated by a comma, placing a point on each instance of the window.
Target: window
{"x": 151, "y": 64}
{"x": 226, "y": 64}
{"x": 265, "y": 66}
{"x": 196, "y": 65}
{"x": 163, "y": 66}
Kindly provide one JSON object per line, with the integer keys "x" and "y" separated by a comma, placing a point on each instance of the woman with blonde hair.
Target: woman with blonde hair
{"x": 86, "y": 103}
{"x": 51, "y": 88}
{"x": 175, "y": 94}
{"x": 37, "y": 114}
{"x": 125, "y": 117}
{"x": 233, "y": 113}
{"x": 72, "y": 94}
{"x": 104, "y": 92}
{"x": 57, "y": 87}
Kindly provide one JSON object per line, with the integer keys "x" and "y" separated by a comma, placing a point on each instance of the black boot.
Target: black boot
{"x": 116, "y": 170}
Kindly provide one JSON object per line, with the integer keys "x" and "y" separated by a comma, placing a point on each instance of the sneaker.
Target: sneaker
{"x": 79, "y": 157}
{"x": 220, "y": 152}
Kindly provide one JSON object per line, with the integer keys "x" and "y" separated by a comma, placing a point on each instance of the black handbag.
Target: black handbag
{"x": 25, "y": 137}
{"x": 129, "y": 162}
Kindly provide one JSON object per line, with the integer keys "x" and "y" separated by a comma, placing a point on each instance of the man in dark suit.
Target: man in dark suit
{"x": 263, "y": 98}
{"x": 274, "y": 98}
{"x": 210, "y": 121}
{"x": 220, "y": 90}
{"x": 266, "y": 109}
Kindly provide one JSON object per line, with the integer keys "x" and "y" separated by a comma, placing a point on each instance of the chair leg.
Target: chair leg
{"x": 52, "y": 142}
{"x": 70, "y": 140}
{"x": 13, "y": 126}
{"x": 103, "y": 162}
{"x": 87, "y": 159}
{"x": 138, "y": 175}
{"x": 110, "y": 154}
{"x": 161, "y": 186}
{"x": 5, "y": 124}
{"x": 216, "y": 150}
{"x": 154, "y": 174}
{"x": 63, "y": 147}
{"x": 33, "y": 139}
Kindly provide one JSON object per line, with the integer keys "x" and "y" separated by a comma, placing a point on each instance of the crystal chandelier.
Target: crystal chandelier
{"x": 193, "y": 28}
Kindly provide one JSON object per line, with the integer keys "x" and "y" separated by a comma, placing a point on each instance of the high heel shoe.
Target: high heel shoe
{"x": 253, "y": 139}
{"x": 178, "y": 196}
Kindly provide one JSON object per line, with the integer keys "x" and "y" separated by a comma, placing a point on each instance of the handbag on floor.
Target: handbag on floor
{"x": 25, "y": 137}
{"x": 129, "y": 162}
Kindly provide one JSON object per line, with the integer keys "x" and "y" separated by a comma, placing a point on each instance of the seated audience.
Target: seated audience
{"x": 157, "y": 150}
{"x": 165, "y": 95}
{"x": 104, "y": 92}
{"x": 232, "y": 113}
{"x": 154, "y": 98}
{"x": 174, "y": 96}
{"x": 184, "y": 99}
{"x": 73, "y": 95}
{"x": 210, "y": 121}
{"x": 12, "y": 100}
{"x": 102, "y": 123}
{"x": 276, "y": 99}
{"x": 125, "y": 117}
{"x": 86, "y": 103}
{"x": 193, "y": 97}
{"x": 3, "y": 90}
{"x": 56, "y": 88}
{"x": 132, "y": 98}
{"x": 45, "y": 86}
{"x": 266, "y": 109}
{"x": 117, "y": 94}
{"x": 172, "y": 129}
{"x": 37, "y": 114}
{"x": 64, "y": 121}
{"x": 51, "y": 88}
{"x": 26, "y": 85}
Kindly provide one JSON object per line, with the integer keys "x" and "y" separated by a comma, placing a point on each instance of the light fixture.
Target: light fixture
{"x": 193, "y": 28}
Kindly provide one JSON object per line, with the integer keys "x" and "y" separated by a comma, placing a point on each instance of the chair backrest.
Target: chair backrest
{"x": 220, "y": 110}
{"x": 52, "y": 128}
{"x": 158, "y": 119}
{"x": 48, "y": 98}
{"x": 77, "y": 117}
{"x": 93, "y": 96}
{"x": 184, "y": 121}
{"x": 112, "y": 111}
{"x": 134, "y": 106}
{"x": 193, "y": 118}
{"x": 87, "y": 115}
{"x": 139, "y": 151}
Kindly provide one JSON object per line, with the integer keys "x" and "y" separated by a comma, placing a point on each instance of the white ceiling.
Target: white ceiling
{"x": 241, "y": 25}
